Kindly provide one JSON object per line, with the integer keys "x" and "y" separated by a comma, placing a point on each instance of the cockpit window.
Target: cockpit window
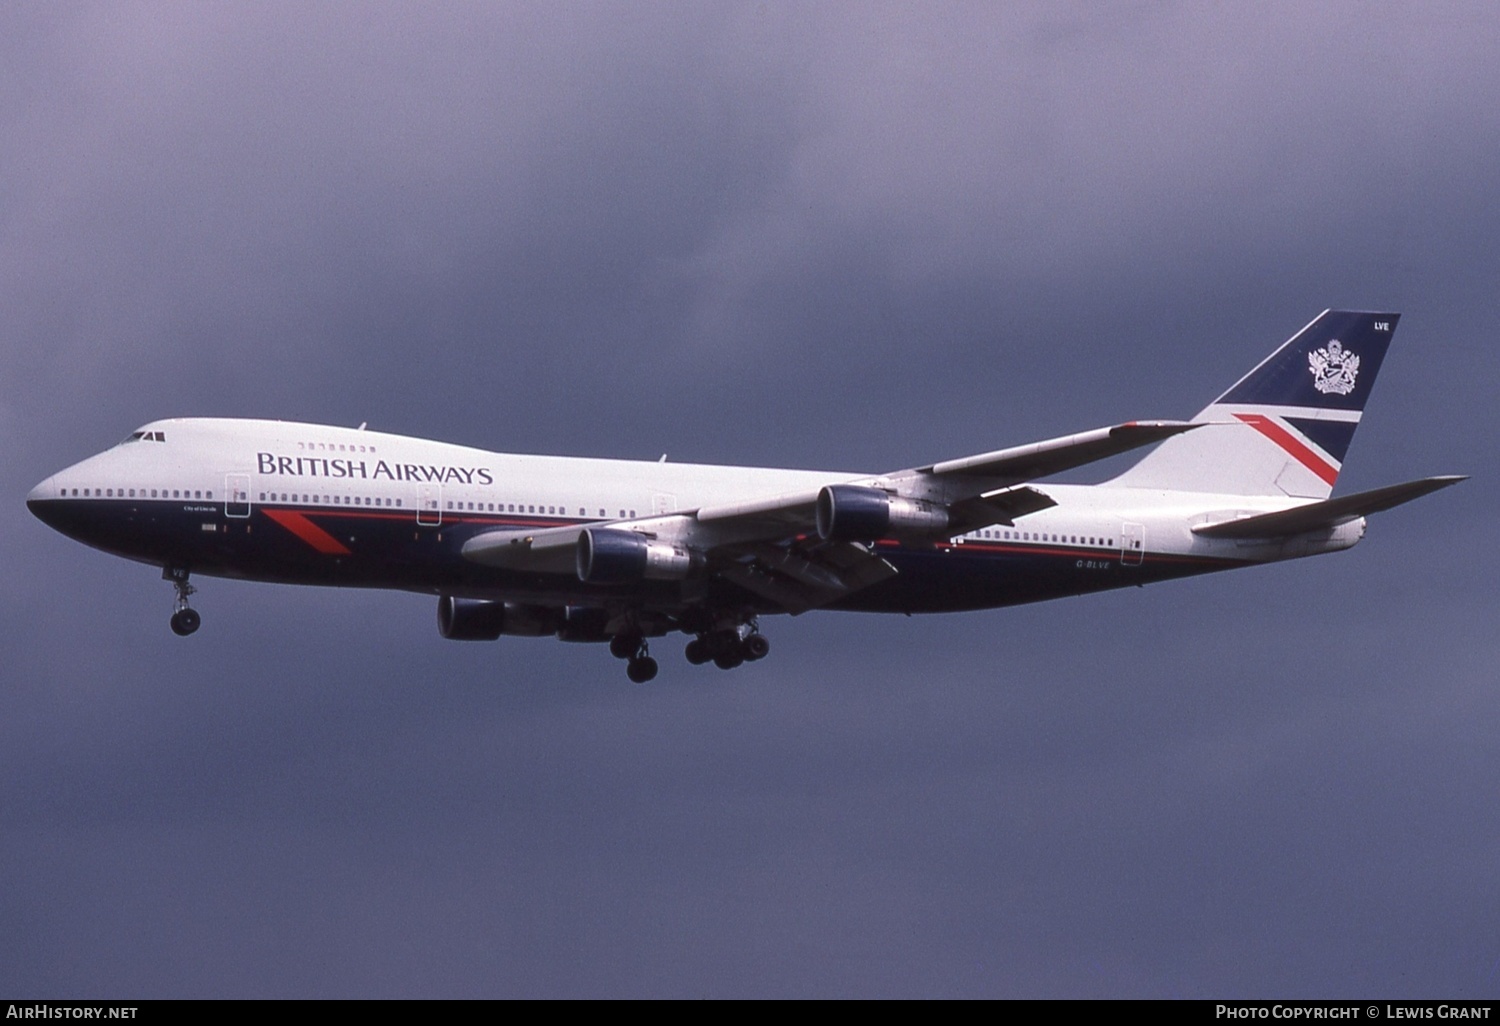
{"x": 145, "y": 436}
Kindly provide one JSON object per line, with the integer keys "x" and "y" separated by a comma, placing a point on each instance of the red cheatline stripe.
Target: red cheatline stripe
{"x": 1305, "y": 456}
{"x": 308, "y": 531}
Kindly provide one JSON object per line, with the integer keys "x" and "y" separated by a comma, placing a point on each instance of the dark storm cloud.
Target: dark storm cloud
{"x": 846, "y": 235}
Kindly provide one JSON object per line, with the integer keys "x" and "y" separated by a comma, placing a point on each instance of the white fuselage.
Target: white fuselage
{"x": 199, "y": 465}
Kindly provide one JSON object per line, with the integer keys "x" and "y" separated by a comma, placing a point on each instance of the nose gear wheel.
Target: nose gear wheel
{"x": 185, "y": 620}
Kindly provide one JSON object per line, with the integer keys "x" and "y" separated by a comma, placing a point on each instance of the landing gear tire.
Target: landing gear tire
{"x": 185, "y": 622}
{"x": 728, "y": 660}
{"x": 755, "y": 647}
{"x": 625, "y": 646}
{"x": 641, "y": 669}
{"x": 697, "y": 652}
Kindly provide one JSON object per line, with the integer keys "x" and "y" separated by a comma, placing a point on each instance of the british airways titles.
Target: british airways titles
{"x": 318, "y": 466}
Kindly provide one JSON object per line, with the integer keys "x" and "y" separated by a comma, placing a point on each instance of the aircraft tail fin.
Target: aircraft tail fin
{"x": 1284, "y": 428}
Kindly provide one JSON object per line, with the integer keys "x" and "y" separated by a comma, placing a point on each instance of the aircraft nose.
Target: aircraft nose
{"x": 36, "y": 499}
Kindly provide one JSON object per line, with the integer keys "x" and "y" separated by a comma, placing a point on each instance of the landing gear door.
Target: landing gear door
{"x": 430, "y": 505}
{"x": 237, "y": 495}
{"x": 1132, "y": 544}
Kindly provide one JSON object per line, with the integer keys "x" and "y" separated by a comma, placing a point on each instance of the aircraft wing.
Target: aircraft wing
{"x": 1039, "y": 459}
{"x": 979, "y": 490}
{"x": 794, "y": 550}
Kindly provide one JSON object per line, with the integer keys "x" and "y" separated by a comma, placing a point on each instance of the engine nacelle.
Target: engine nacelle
{"x": 856, "y": 513}
{"x": 609, "y": 556}
{"x": 461, "y": 619}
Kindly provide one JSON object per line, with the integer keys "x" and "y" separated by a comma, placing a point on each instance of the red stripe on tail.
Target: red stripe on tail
{"x": 1301, "y": 453}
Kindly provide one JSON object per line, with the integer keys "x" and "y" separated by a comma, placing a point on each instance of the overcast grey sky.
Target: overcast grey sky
{"x": 849, "y": 235}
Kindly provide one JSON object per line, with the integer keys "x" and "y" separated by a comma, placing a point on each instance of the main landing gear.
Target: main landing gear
{"x": 640, "y": 667}
{"x": 726, "y": 649}
{"x": 185, "y": 620}
{"x": 728, "y": 643}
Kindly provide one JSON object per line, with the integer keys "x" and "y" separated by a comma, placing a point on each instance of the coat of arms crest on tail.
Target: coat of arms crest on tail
{"x": 1333, "y": 368}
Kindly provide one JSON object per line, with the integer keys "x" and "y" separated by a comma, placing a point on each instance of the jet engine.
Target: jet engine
{"x": 855, "y": 513}
{"x": 461, "y": 619}
{"x": 608, "y": 556}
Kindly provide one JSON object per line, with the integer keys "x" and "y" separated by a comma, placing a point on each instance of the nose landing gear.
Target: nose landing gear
{"x": 185, "y": 620}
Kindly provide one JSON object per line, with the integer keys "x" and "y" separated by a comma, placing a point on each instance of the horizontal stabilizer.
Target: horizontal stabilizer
{"x": 1039, "y": 459}
{"x": 1328, "y": 513}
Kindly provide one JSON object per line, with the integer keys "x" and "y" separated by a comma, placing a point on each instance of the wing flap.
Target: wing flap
{"x": 998, "y": 507}
{"x": 798, "y": 581}
{"x": 1327, "y": 513}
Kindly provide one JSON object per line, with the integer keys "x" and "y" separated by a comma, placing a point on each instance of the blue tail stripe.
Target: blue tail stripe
{"x": 1312, "y": 371}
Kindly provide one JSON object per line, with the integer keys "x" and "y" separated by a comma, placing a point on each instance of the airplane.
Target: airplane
{"x": 615, "y": 551}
